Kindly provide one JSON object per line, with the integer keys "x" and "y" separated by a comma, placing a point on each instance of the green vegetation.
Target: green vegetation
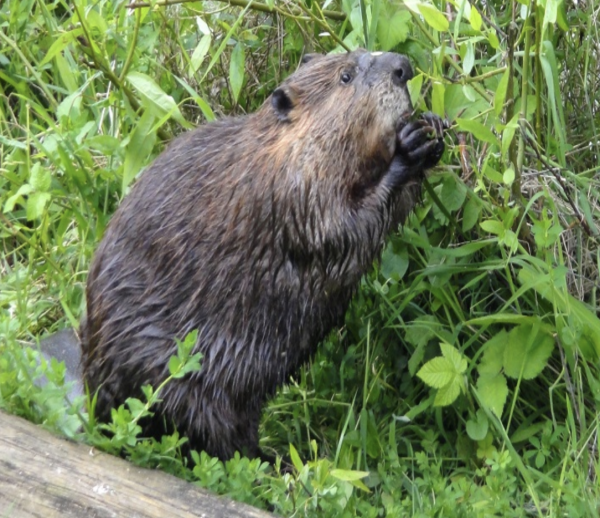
{"x": 465, "y": 381}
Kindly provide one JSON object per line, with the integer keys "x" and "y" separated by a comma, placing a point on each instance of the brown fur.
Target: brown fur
{"x": 255, "y": 231}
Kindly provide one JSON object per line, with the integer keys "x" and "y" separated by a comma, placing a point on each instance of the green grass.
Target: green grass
{"x": 465, "y": 379}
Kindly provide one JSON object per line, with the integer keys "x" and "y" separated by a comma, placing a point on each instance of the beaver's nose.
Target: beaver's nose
{"x": 382, "y": 63}
{"x": 401, "y": 69}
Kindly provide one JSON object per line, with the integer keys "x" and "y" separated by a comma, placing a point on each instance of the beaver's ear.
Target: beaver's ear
{"x": 309, "y": 57}
{"x": 282, "y": 101}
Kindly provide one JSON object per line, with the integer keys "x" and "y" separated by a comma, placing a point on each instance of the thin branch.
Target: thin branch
{"x": 332, "y": 15}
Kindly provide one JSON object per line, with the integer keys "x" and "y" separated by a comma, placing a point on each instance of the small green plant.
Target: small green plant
{"x": 464, "y": 382}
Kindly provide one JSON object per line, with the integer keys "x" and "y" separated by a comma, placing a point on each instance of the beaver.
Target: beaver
{"x": 255, "y": 231}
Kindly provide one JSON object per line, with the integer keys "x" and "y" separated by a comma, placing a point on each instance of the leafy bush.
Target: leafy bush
{"x": 465, "y": 380}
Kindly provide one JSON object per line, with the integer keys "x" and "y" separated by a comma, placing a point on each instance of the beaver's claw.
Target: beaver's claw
{"x": 421, "y": 142}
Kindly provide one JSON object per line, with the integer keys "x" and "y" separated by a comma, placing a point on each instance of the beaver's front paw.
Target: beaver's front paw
{"x": 421, "y": 142}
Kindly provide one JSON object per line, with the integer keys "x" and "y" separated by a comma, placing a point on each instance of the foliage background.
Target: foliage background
{"x": 465, "y": 380}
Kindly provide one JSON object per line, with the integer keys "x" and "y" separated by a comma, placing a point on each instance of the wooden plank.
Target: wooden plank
{"x": 49, "y": 477}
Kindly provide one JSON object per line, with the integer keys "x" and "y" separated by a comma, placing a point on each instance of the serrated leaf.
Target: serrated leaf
{"x": 36, "y": 203}
{"x": 454, "y": 357}
{"x": 493, "y": 392}
{"x": 40, "y": 178}
{"x": 492, "y": 360}
{"x": 448, "y": 394}
{"x": 437, "y": 373}
{"x": 527, "y": 351}
{"x": 433, "y": 17}
{"x": 477, "y": 429}
{"x": 392, "y": 30}
{"x": 478, "y": 130}
{"x": 421, "y": 330}
{"x": 154, "y": 98}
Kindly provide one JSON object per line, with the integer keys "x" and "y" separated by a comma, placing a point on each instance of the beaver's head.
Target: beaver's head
{"x": 353, "y": 98}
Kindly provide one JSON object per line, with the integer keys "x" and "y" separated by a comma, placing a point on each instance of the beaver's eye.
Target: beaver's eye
{"x": 346, "y": 78}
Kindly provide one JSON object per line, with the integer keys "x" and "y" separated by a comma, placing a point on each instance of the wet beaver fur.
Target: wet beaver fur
{"x": 255, "y": 231}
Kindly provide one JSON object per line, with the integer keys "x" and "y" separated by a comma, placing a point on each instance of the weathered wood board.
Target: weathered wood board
{"x": 48, "y": 477}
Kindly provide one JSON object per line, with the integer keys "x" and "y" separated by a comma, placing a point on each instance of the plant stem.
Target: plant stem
{"x": 256, "y": 6}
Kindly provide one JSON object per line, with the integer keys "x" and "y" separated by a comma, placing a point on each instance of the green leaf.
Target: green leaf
{"x": 414, "y": 89}
{"x": 106, "y": 144}
{"x": 202, "y": 104}
{"x": 469, "y": 57}
{"x": 392, "y": 30}
{"x": 36, "y": 203}
{"x": 475, "y": 19}
{"x": 470, "y": 214}
{"x": 492, "y": 226}
{"x": 295, "y": 458}
{"x": 348, "y": 475}
{"x": 453, "y": 193}
{"x": 493, "y": 392}
{"x": 139, "y": 147}
{"x": 500, "y": 94}
{"x": 478, "y": 130}
{"x": 40, "y": 178}
{"x": 448, "y": 394}
{"x": 438, "y": 94}
{"x": 527, "y": 351}
{"x": 508, "y": 134}
{"x": 200, "y": 53}
{"x": 492, "y": 37}
{"x": 136, "y": 407}
{"x": 437, "y": 373}
{"x": 434, "y": 18}
{"x": 174, "y": 365}
{"x": 492, "y": 360}
{"x": 154, "y": 98}
{"x": 16, "y": 198}
{"x": 59, "y": 45}
{"x": 509, "y": 176}
{"x": 236, "y": 70}
{"x": 457, "y": 360}
{"x": 478, "y": 429}
{"x": 394, "y": 264}
{"x": 566, "y": 304}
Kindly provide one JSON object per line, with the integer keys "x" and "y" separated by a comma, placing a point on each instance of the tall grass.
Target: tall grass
{"x": 465, "y": 380}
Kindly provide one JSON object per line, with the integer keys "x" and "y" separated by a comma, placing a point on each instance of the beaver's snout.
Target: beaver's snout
{"x": 382, "y": 63}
